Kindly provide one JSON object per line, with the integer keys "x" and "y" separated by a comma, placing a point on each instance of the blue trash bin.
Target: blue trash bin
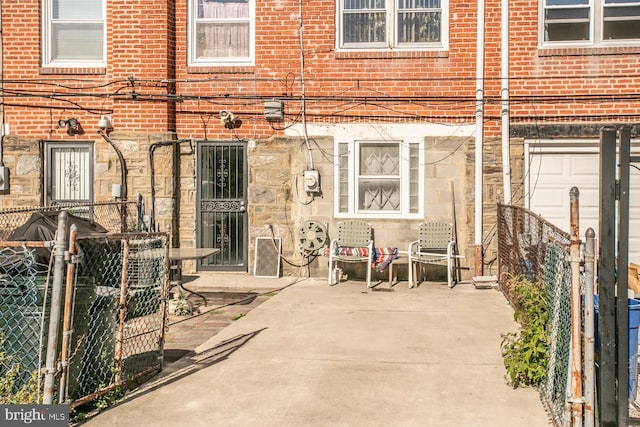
{"x": 634, "y": 325}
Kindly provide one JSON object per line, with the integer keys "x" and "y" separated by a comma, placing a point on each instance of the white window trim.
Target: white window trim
{"x": 47, "y": 60}
{"x": 353, "y": 211}
{"x": 392, "y": 35}
{"x": 220, "y": 62}
{"x": 50, "y": 146}
{"x": 595, "y": 30}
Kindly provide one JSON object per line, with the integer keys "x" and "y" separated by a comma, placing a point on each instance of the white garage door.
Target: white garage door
{"x": 553, "y": 170}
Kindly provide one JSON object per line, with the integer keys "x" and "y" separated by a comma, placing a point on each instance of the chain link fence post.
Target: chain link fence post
{"x": 576, "y": 399}
{"x": 589, "y": 328}
{"x": 59, "y": 250}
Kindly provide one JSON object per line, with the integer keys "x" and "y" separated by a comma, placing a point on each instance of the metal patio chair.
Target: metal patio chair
{"x": 353, "y": 243}
{"x": 435, "y": 245}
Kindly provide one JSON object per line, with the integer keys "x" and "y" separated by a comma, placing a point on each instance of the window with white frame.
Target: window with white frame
{"x": 73, "y": 33}
{"x": 593, "y": 22}
{"x": 221, "y": 32}
{"x": 392, "y": 24}
{"x": 69, "y": 172}
{"x": 378, "y": 179}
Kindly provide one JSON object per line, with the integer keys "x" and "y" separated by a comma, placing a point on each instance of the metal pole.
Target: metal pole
{"x": 622, "y": 311}
{"x": 165, "y": 301}
{"x": 59, "y": 249}
{"x": 606, "y": 286}
{"x": 67, "y": 327}
{"x": 122, "y": 312}
{"x": 576, "y": 315}
{"x": 589, "y": 326}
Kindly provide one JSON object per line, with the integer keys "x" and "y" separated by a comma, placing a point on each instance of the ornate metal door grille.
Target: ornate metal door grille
{"x": 222, "y": 214}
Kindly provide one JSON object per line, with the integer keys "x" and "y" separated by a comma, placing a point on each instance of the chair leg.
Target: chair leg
{"x": 369, "y": 274}
{"x": 410, "y": 272}
{"x": 449, "y": 275}
{"x": 329, "y": 280}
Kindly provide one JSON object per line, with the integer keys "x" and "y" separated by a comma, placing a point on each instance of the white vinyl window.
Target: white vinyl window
{"x": 591, "y": 22}
{"x": 392, "y": 24}
{"x": 221, "y": 32}
{"x": 378, "y": 179}
{"x": 73, "y": 33}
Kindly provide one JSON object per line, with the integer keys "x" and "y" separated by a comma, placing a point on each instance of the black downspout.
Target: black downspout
{"x": 123, "y": 179}
{"x": 176, "y": 175}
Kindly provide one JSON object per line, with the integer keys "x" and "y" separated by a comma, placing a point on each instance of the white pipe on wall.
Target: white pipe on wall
{"x": 504, "y": 95}
{"x": 479, "y": 136}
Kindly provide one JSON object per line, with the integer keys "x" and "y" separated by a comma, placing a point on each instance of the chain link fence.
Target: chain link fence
{"x": 23, "y": 284}
{"x": 557, "y": 283}
{"x": 116, "y": 217}
{"x": 121, "y": 314}
{"x": 112, "y": 325}
{"x": 531, "y": 247}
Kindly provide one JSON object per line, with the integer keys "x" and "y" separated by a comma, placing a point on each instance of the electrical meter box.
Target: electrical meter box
{"x": 311, "y": 180}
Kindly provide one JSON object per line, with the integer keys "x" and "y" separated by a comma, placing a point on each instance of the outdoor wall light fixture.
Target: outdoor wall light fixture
{"x": 72, "y": 124}
{"x": 229, "y": 120}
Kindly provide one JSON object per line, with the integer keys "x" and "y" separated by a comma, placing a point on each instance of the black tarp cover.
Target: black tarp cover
{"x": 42, "y": 226}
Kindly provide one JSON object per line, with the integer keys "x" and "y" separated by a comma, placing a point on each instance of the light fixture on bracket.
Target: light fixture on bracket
{"x": 229, "y": 120}
{"x": 72, "y": 124}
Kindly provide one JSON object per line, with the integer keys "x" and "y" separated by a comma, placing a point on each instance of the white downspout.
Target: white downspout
{"x": 504, "y": 95}
{"x": 478, "y": 256}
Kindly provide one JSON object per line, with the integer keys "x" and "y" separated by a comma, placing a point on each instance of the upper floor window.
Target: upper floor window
{"x": 73, "y": 33}
{"x": 378, "y": 179}
{"x": 221, "y": 32}
{"x": 593, "y": 22}
{"x": 392, "y": 24}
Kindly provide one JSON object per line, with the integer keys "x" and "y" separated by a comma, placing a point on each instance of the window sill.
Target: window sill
{"x": 392, "y": 54}
{"x": 240, "y": 69}
{"x": 377, "y": 216}
{"x": 72, "y": 70}
{"x": 588, "y": 50}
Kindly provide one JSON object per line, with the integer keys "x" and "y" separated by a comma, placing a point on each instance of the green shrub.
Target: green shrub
{"x": 525, "y": 352}
{"x": 13, "y": 388}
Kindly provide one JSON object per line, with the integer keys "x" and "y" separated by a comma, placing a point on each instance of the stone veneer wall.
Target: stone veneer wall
{"x": 493, "y": 193}
{"x": 25, "y": 160}
{"x": 276, "y": 196}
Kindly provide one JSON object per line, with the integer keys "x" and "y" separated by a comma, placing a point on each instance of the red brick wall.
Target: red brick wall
{"x": 136, "y": 46}
{"x": 568, "y": 73}
{"x": 329, "y": 75}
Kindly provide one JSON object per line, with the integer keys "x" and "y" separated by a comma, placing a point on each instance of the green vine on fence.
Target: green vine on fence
{"x": 525, "y": 352}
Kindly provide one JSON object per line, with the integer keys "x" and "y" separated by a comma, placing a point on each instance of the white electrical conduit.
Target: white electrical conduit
{"x": 479, "y": 130}
{"x": 303, "y": 98}
{"x": 504, "y": 94}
